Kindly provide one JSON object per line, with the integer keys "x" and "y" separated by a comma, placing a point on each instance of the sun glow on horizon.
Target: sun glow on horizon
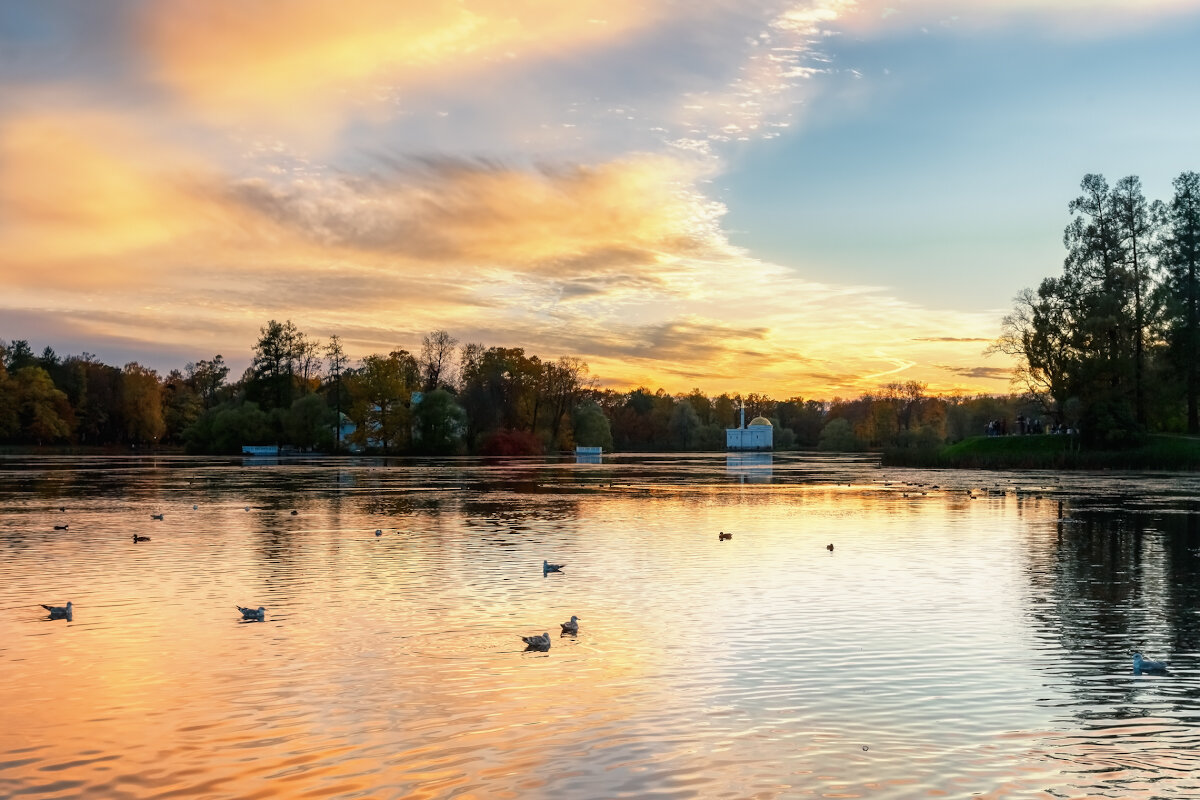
{"x": 531, "y": 175}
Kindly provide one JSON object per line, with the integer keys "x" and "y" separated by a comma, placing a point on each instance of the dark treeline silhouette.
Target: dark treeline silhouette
{"x": 1111, "y": 347}
{"x": 444, "y": 399}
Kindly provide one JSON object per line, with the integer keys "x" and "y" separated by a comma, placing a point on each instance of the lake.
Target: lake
{"x": 969, "y": 634}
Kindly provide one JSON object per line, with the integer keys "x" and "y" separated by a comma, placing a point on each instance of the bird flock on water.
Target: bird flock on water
{"x": 540, "y": 642}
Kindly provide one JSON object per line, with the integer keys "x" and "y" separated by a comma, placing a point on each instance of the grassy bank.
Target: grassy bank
{"x": 1050, "y": 452}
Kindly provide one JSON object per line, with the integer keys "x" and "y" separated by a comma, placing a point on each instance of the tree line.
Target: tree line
{"x": 446, "y": 398}
{"x": 1112, "y": 345}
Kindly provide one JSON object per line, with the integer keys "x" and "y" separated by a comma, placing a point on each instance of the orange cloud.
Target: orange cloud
{"x": 77, "y": 191}
{"x": 292, "y": 59}
{"x": 582, "y": 220}
{"x": 623, "y": 263}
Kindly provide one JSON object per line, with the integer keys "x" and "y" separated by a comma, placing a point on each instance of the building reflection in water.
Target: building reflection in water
{"x": 749, "y": 467}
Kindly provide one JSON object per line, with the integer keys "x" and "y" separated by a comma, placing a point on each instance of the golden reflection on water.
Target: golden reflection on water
{"x": 934, "y": 652}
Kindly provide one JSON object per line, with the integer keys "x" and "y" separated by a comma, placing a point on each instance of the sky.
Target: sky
{"x": 793, "y": 197}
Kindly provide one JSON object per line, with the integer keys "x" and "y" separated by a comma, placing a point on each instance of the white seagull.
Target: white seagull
{"x": 1141, "y": 665}
{"x": 253, "y": 613}
{"x": 537, "y": 642}
{"x": 571, "y": 626}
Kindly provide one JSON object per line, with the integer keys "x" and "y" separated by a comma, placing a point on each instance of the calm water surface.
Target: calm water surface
{"x": 951, "y": 645}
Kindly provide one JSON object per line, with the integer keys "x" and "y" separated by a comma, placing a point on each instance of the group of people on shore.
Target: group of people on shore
{"x": 1025, "y": 425}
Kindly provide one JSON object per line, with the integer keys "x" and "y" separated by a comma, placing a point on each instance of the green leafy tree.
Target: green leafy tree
{"x": 1136, "y": 231}
{"x": 226, "y": 427}
{"x": 181, "y": 406}
{"x": 207, "y": 378}
{"x": 838, "y": 435}
{"x": 440, "y": 423}
{"x": 590, "y": 426}
{"x": 94, "y": 390}
{"x": 684, "y": 425}
{"x": 43, "y": 413}
{"x": 309, "y": 423}
{"x": 274, "y": 364}
{"x": 19, "y": 355}
{"x": 501, "y": 389}
{"x": 1097, "y": 283}
{"x": 1179, "y": 254}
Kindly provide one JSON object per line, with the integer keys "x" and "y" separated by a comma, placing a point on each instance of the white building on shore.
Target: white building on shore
{"x": 758, "y": 435}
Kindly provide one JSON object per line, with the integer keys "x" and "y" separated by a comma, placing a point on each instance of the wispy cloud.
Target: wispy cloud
{"x": 529, "y": 174}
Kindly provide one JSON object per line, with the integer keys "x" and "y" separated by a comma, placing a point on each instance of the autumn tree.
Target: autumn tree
{"x": 379, "y": 392}
{"x": 43, "y": 413}
{"x": 141, "y": 404}
{"x": 9, "y": 422}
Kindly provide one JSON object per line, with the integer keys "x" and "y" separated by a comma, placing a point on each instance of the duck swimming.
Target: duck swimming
{"x": 59, "y": 612}
{"x": 137, "y": 538}
{"x": 253, "y": 613}
{"x": 537, "y": 642}
{"x": 571, "y": 625}
{"x": 548, "y": 567}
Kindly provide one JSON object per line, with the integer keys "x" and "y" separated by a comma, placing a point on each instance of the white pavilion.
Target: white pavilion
{"x": 758, "y": 435}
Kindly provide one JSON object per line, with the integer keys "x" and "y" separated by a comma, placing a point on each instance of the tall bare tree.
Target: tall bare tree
{"x": 437, "y": 359}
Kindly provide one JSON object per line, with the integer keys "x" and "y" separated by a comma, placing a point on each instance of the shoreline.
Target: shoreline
{"x": 1176, "y": 453}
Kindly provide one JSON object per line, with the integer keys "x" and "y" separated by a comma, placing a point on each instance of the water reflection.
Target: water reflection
{"x": 960, "y": 639}
{"x": 750, "y": 467}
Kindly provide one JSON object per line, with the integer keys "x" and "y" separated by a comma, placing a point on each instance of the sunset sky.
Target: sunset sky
{"x": 807, "y": 197}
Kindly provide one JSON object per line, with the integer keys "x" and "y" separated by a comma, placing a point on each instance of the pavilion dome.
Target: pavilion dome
{"x": 761, "y": 421}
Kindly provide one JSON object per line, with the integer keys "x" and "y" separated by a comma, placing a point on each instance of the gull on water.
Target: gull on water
{"x": 156, "y": 516}
{"x": 59, "y": 612}
{"x": 722, "y": 536}
{"x": 537, "y": 642}
{"x": 548, "y": 567}
{"x": 571, "y": 626}
{"x": 137, "y": 538}
{"x": 61, "y": 527}
{"x": 253, "y": 613}
{"x": 1141, "y": 665}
